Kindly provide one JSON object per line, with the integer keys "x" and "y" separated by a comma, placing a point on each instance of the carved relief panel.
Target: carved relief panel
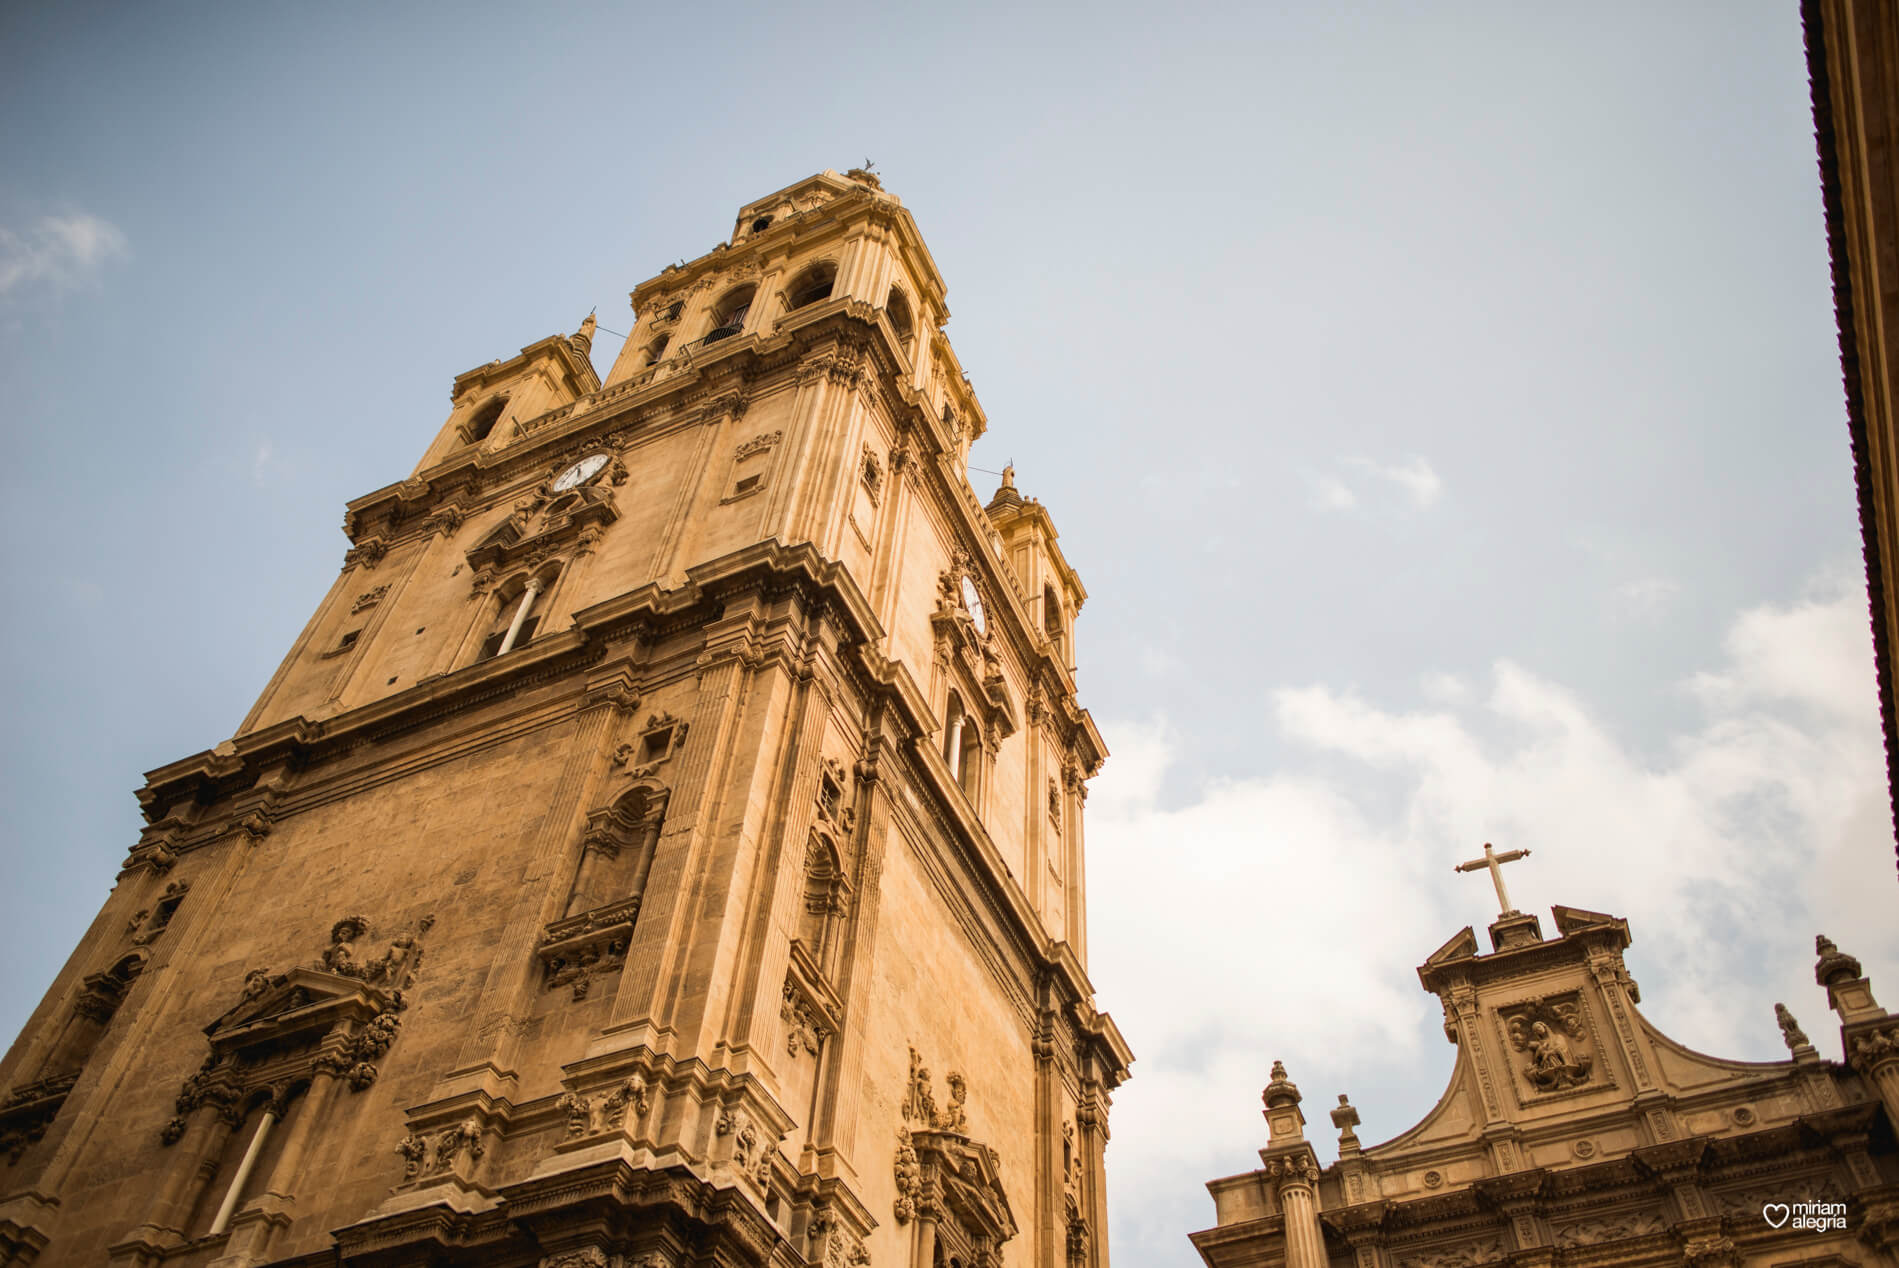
{"x": 1551, "y": 1047}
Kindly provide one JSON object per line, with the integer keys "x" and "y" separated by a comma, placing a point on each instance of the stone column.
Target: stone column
{"x": 228, "y": 1207}
{"x": 520, "y": 617}
{"x": 1298, "y": 1178}
{"x": 643, "y": 862}
{"x": 1290, "y": 1162}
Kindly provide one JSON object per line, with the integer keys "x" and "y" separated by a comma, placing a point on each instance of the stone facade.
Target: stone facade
{"x": 662, "y": 846}
{"x": 1575, "y": 1133}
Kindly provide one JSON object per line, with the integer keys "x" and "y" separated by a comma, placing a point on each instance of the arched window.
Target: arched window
{"x": 823, "y": 897}
{"x": 761, "y": 224}
{"x": 728, "y": 315}
{"x": 962, "y": 744}
{"x": 969, "y": 761}
{"x": 811, "y": 286}
{"x": 515, "y": 618}
{"x": 657, "y": 349}
{"x": 1052, "y": 619}
{"x": 897, "y": 308}
{"x": 99, "y": 998}
{"x": 485, "y": 419}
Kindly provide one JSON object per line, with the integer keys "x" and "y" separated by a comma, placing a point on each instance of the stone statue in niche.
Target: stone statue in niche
{"x": 1550, "y": 1033}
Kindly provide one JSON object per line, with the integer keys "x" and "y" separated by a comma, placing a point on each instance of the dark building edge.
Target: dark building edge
{"x": 1819, "y": 78}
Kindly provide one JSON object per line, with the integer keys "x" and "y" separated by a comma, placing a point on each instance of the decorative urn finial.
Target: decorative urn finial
{"x": 1834, "y": 964}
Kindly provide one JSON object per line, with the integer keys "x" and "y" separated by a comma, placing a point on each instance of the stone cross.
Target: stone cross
{"x": 1492, "y": 860}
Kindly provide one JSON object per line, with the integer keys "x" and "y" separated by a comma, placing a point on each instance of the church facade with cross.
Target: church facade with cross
{"x": 662, "y": 847}
{"x": 1574, "y": 1132}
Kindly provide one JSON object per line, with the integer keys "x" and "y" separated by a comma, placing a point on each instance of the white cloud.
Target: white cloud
{"x": 1645, "y": 594}
{"x": 1415, "y": 477}
{"x": 62, "y": 251}
{"x": 1329, "y": 493}
{"x": 1281, "y": 915}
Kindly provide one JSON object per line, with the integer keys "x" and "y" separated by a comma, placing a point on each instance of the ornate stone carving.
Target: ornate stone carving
{"x": 736, "y": 1122}
{"x": 631, "y": 1094}
{"x": 805, "y": 1030}
{"x": 659, "y": 741}
{"x": 462, "y": 1139}
{"x": 919, "y": 1104}
{"x": 415, "y": 1152}
{"x": 1790, "y": 1032}
{"x": 871, "y": 471}
{"x": 579, "y": 1111}
{"x": 393, "y": 968}
{"x": 757, "y": 444}
{"x": 586, "y": 1257}
{"x": 953, "y": 1118}
{"x": 368, "y": 599}
{"x": 1616, "y": 1226}
{"x": 909, "y": 1178}
{"x": 1708, "y": 1251}
{"x": 369, "y": 554}
{"x": 444, "y": 521}
{"x": 1488, "y": 1250}
{"x": 574, "y": 950}
{"x": 1874, "y": 1047}
{"x": 1550, "y": 1033}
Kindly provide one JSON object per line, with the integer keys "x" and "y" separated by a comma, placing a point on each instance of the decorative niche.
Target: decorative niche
{"x": 603, "y": 902}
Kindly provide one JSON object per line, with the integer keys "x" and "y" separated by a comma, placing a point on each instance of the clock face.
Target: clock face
{"x": 581, "y": 472}
{"x": 972, "y": 599}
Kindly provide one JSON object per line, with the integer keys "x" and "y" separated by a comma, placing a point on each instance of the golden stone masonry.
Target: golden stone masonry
{"x": 663, "y": 846}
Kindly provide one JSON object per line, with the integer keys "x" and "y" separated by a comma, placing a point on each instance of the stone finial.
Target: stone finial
{"x": 582, "y": 339}
{"x": 1281, "y": 1090}
{"x": 1345, "y": 1117}
{"x": 1790, "y": 1032}
{"x": 1284, "y": 1121}
{"x": 1833, "y": 964}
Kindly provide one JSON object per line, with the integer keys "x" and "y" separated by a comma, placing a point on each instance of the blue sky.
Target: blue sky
{"x": 1441, "y": 405}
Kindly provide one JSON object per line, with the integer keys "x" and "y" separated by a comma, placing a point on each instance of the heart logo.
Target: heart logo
{"x": 1776, "y": 1213}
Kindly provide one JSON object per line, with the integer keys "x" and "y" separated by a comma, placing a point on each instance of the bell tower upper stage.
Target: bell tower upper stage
{"x": 704, "y": 758}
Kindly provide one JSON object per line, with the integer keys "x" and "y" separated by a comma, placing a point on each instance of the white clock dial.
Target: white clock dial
{"x": 581, "y": 472}
{"x": 972, "y": 599}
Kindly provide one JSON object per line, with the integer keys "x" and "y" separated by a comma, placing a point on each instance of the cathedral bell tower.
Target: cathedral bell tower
{"x": 663, "y": 846}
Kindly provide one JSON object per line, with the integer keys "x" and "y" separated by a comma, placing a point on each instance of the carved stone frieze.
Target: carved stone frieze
{"x": 1471, "y": 1254}
{"x": 597, "y": 1115}
{"x": 369, "y": 599}
{"x": 1616, "y": 1226}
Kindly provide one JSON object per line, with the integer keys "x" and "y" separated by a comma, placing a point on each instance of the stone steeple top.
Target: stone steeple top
{"x": 1006, "y": 497}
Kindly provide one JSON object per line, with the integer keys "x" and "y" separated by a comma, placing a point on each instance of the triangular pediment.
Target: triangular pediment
{"x": 291, "y": 1001}
{"x": 971, "y": 1179}
{"x": 1572, "y": 919}
{"x": 1462, "y": 945}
